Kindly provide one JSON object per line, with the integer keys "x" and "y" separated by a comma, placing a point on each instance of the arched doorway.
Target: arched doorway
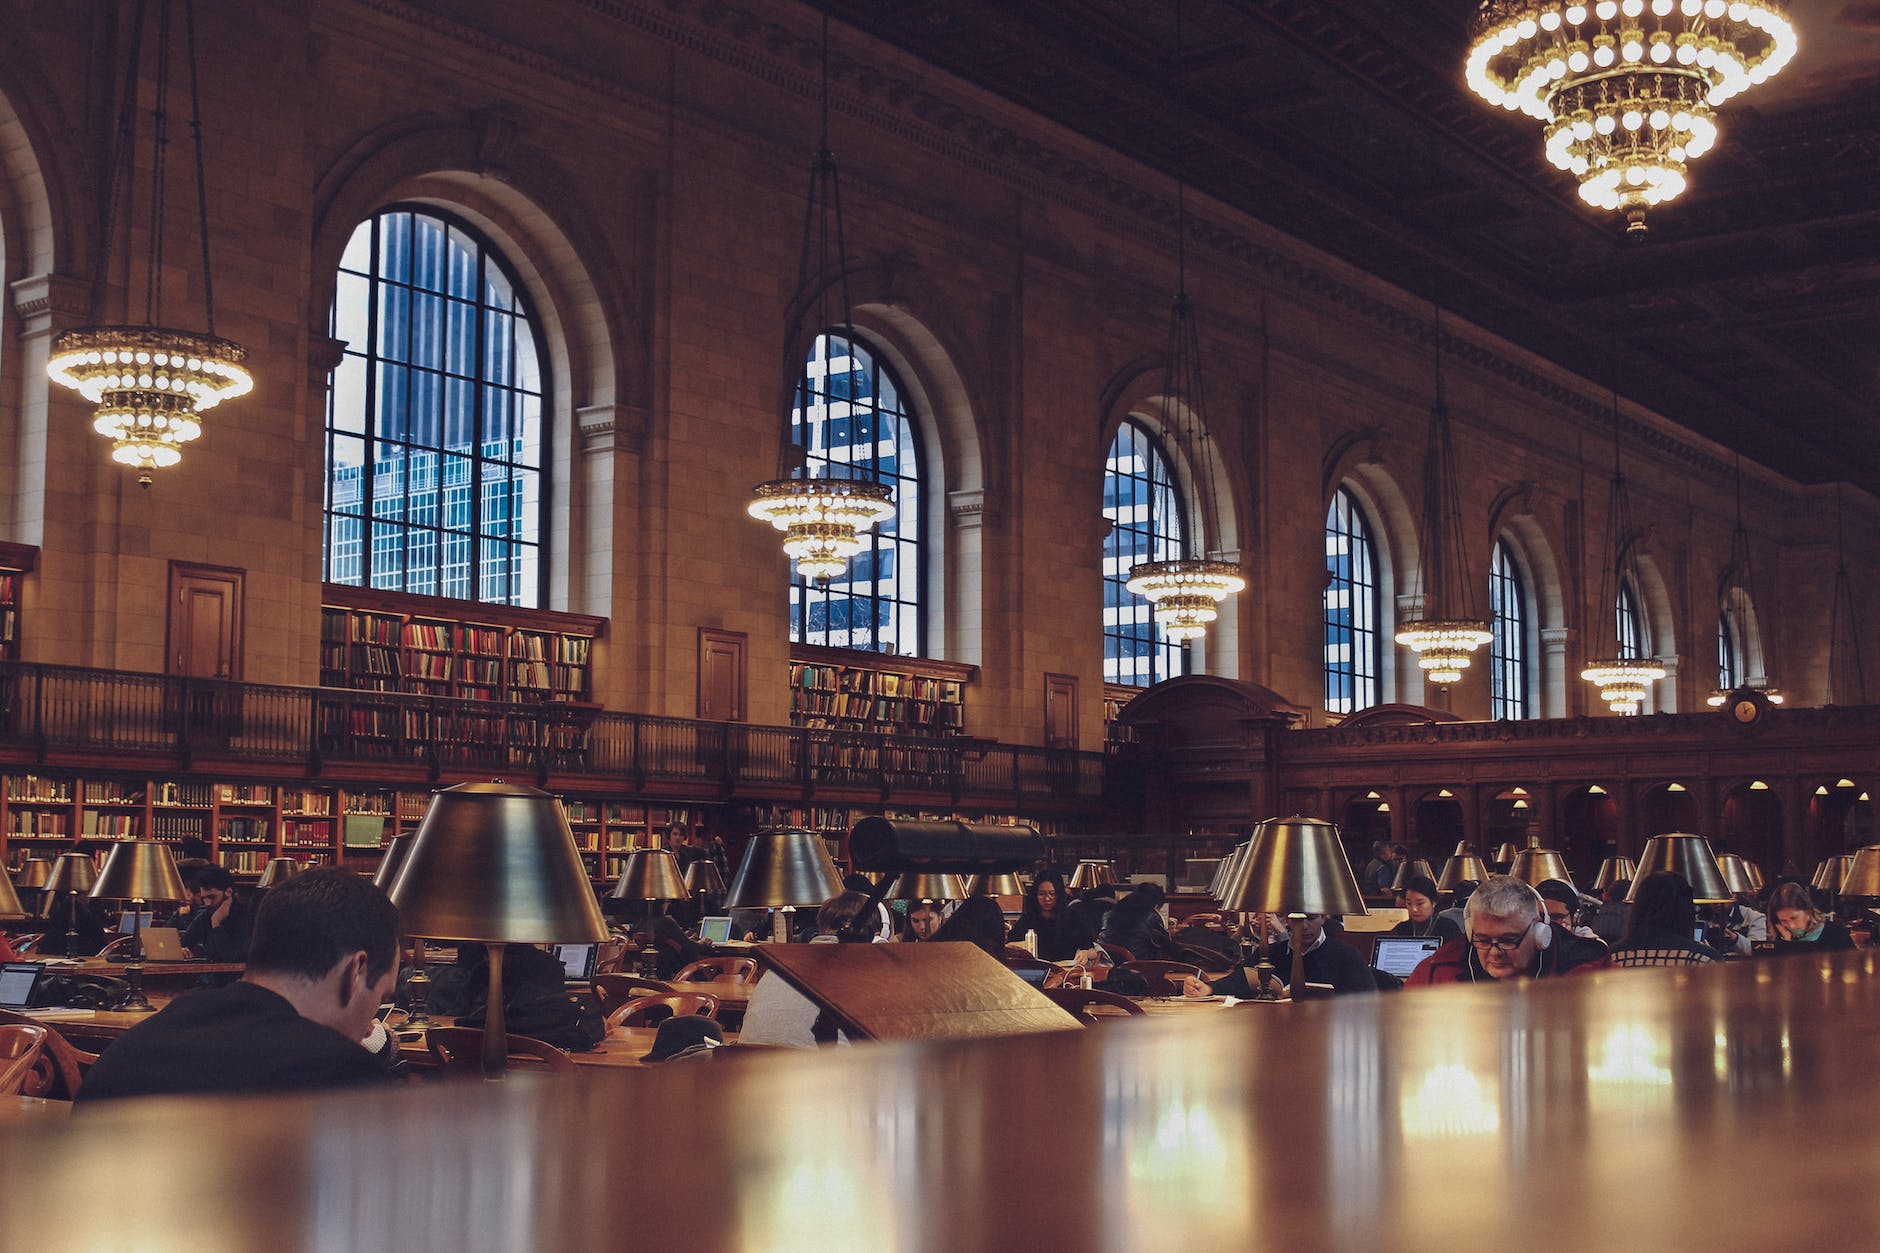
{"x": 1665, "y": 808}
{"x": 1588, "y": 830}
{"x": 1437, "y": 825}
{"x": 1510, "y": 820}
{"x": 1751, "y": 824}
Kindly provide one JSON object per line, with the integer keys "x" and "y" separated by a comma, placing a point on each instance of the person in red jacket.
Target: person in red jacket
{"x": 1506, "y": 935}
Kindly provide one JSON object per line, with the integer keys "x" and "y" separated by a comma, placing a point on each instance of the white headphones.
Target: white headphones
{"x": 1546, "y": 933}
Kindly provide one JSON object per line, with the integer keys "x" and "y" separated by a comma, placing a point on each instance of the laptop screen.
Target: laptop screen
{"x": 577, "y": 960}
{"x": 129, "y": 920}
{"x": 16, "y": 983}
{"x": 1699, "y": 933}
{"x": 1400, "y": 954}
{"x": 715, "y": 927}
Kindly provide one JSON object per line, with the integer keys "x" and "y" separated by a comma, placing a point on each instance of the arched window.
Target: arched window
{"x": 1508, "y": 649}
{"x": 1631, "y": 622}
{"x": 1352, "y": 661}
{"x": 1729, "y": 656}
{"x": 1146, "y": 524}
{"x": 435, "y": 438}
{"x": 852, "y": 416}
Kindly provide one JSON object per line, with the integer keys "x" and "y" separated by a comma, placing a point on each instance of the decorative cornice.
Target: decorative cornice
{"x": 967, "y": 508}
{"x": 45, "y": 303}
{"x": 611, "y": 428}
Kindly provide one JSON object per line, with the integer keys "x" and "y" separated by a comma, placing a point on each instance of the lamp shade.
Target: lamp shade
{"x": 1862, "y": 880}
{"x": 1408, "y": 870}
{"x": 278, "y": 871}
{"x": 1505, "y": 854}
{"x": 1460, "y": 869}
{"x": 1229, "y": 867}
{"x": 1090, "y": 874}
{"x": 702, "y": 876}
{"x": 1687, "y": 855}
{"x": 496, "y": 862}
{"x": 926, "y": 887}
{"x": 9, "y": 899}
{"x": 140, "y": 870}
{"x": 391, "y": 863}
{"x": 1615, "y": 870}
{"x": 994, "y": 885}
{"x": 73, "y": 872}
{"x": 1294, "y": 865}
{"x": 1736, "y": 873}
{"x": 783, "y": 866}
{"x": 1830, "y": 872}
{"x": 34, "y": 874}
{"x": 1535, "y": 866}
{"x": 651, "y": 874}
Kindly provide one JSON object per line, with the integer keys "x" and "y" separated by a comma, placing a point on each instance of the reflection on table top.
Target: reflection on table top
{"x": 1693, "y": 1109}
{"x": 624, "y": 1046}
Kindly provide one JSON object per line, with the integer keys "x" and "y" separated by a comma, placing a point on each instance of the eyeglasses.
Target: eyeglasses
{"x": 1501, "y": 943}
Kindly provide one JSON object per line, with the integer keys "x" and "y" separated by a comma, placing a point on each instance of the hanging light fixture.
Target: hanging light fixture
{"x": 1448, "y": 630}
{"x": 825, "y": 519}
{"x": 1625, "y": 675}
{"x": 1185, "y": 591}
{"x": 1627, "y": 90}
{"x": 1737, "y": 587}
{"x": 152, "y": 384}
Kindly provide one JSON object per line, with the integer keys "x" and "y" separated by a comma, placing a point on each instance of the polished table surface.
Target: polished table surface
{"x": 1705, "y": 1108}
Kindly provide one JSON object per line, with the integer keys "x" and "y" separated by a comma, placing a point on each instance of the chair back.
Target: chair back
{"x": 1661, "y": 957}
{"x": 29, "y": 943}
{"x": 20, "y": 1045}
{"x": 1163, "y": 977}
{"x": 1092, "y": 1006}
{"x": 120, "y": 945}
{"x": 1118, "y": 955}
{"x": 704, "y": 970}
{"x": 608, "y": 960}
{"x": 650, "y": 1011}
{"x": 458, "y": 1052}
{"x": 613, "y": 991}
{"x": 60, "y": 1068}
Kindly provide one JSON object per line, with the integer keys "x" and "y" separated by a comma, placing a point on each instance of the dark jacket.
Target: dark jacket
{"x": 1438, "y": 925}
{"x": 1455, "y": 961}
{"x": 241, "y": 1038}
{"x": 1333, "y": 962}
{"x": 1059, "y": 937}
{"x": 1136, "y": 926}
{"x": 1673, "y": 941}
{"x": 1833, "y": 938}
{"x": 226, "y": 943}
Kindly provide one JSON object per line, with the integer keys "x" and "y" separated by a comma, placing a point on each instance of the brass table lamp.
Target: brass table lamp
{"x": 1830, "y": 872}
{"x": 783, "y": 867}
{"x": 1504, "y": 856}
{"x": 1295, "y": 866}
{"x": 994, "y": 885}
{"x": 650, "y": 875}
{"x": 1687, "y": 855}
{"x": 278, "y": 871}
{"x": 72, "y": 873}
{"x": 1535, "y": 866}
{"x": 1615, "y": 870}
{"x": 139, "y": 871}
{"x": 1408, "y": 869}
{"x": 1091, "y": 874}
{"x": 495, "y": 863}
{"x": 1462, "y": 867}
{"x": 10, "y": 907}
{"x": 1736, "y": 873}
{"x": 926, "y": 887}
{"x": 703, "y": 880}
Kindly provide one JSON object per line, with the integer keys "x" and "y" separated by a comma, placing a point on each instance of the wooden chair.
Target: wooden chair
{"x": 1163, "y": 977}
{"x": 20, "y": 1045}
{"x": 650, "y": 1011}
{"x": 1208, "y": 959}
{"x": 458, "y": 1052}
{"x": 120, "y": 945}
{"x": 608, "y": 959}
{"x": 1093, "y": 1006}
{"x": 24, "y": 944}
{"x": 61, "y": 1066}
{"x": 1661, "y": 957}
{"x": 614, "y": 991}
{"x": 1117, "y": 953}
{"x": 743, "y": 969}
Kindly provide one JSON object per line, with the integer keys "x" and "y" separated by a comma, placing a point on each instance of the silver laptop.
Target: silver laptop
{"x": 163, "y": 944}
{"x": 1400, "y": 954}
{"x": 17, "y": 981}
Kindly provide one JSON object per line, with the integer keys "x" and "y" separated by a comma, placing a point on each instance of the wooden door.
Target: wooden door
{"x": 1060, "y": 711}
{"x": 721, "y": 675}
{"x": 205, "y": 628}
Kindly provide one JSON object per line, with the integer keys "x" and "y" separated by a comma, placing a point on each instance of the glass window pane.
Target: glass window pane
{"x": 433, "y": 320}
{"x": 1352, "y": 609}
{"x": 1146, "y": 524}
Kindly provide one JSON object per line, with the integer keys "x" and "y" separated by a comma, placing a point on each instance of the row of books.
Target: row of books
{"x": 874, "y": 682}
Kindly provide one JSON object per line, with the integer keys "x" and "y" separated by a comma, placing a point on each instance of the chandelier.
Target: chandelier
{"x": 825, "y": 520}
{"x": 150, "y": 385}
{"x": 1623, "y": 676}
{"x": 1185, "y": 591}
{"x": 1627, "y": 90}
{"x": 1449, "y": 630}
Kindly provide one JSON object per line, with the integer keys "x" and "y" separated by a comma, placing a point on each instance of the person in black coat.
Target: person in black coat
{"x": 1328, "y": 961}
{"x": 325, "y": 955}
{"x": 1060, "y": 934}
{"x": 1135, "y": 925}
{"x": 1664, "y": 919}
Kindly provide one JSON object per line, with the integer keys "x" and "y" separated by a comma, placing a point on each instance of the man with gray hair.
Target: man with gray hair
{"x": 1506, "y": 935}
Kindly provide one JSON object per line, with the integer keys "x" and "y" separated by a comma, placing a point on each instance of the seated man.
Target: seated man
{"x": 1506, "y": 935}
{"x": 325, "y": 954}
{"x": 1327, "y": 961}
{"x": 222, "y": 923}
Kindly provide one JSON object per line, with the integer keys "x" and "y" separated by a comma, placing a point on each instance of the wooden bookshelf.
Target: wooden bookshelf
{"x": 16, "y": 562}
{"x": 1116, "y": 698}
{"x": 429, "y": 646}
{"x": 841, "y": 690}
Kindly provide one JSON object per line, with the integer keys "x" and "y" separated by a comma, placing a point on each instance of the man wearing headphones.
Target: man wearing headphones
{"x": 1506, "y": 935}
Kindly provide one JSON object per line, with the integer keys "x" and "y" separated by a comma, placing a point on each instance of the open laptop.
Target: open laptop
{"x": 1400, "y": 954}
{"x": 163, "y": 944}
{"x": 715, "y": 927}
{"x": 17, "y": 981}
{"x": 128, "y": 921}
{"x": 577, "y": 961}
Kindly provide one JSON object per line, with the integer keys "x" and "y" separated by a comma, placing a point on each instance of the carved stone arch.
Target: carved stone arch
{"x": 1359, "y": 446}
{"x": 1135, "y": 393}
{"x": 50, "y": 198}
{"x": 477, "y": 167}
{"x": 1533, "y": 554}
{"x": 1660, "y": 630}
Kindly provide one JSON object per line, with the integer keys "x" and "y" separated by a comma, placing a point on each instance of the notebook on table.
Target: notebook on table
{"x": 1400, "y": 954}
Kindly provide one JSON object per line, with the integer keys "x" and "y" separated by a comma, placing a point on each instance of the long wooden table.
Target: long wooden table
{"x": 1673, "y": 1110}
